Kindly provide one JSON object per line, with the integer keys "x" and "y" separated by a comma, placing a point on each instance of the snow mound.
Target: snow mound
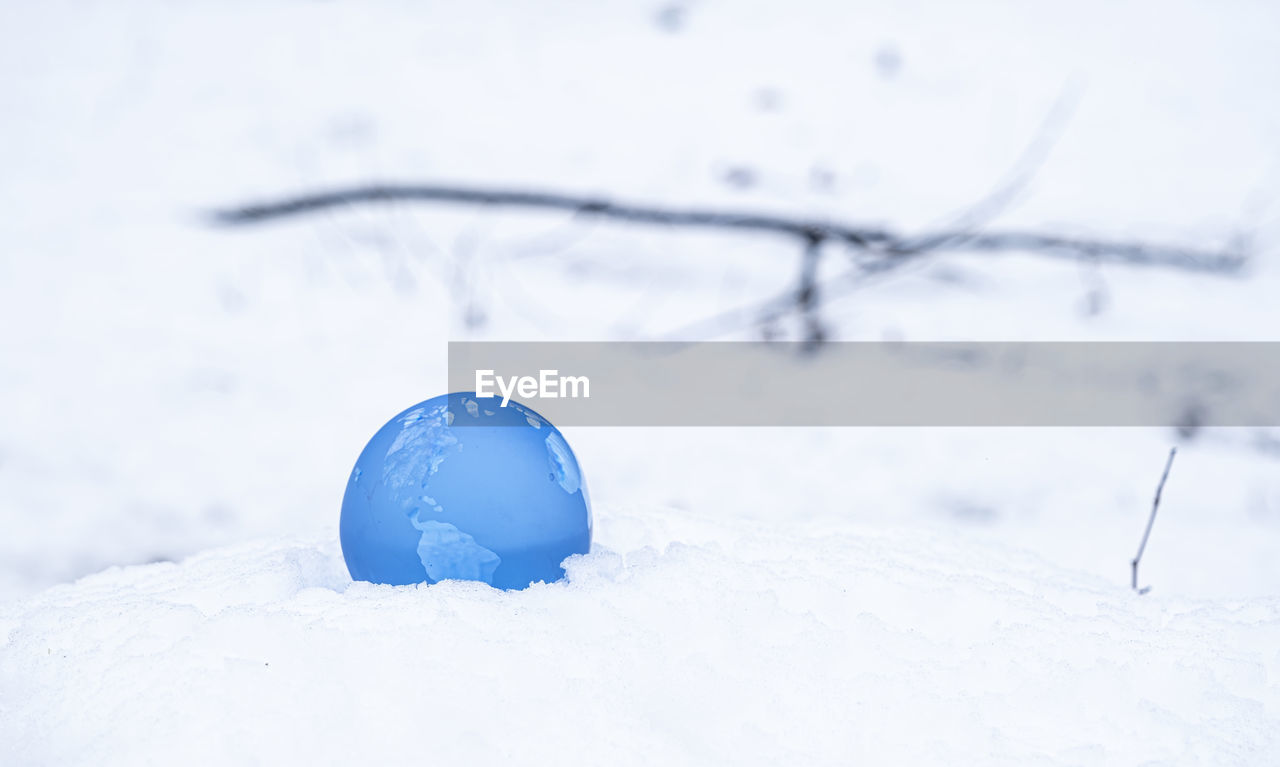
{"x": 753, "y": 644}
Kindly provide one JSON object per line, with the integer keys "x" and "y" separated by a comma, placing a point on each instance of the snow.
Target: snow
{"x": 672, "y": 642}
{"x": 182, "y": 405}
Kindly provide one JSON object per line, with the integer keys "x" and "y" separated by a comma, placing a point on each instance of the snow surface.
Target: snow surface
{"x": 946, "y": 595}
{"x": 671, "y": 643}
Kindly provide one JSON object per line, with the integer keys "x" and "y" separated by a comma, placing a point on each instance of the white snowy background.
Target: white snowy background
{"x": 181, "y": 405}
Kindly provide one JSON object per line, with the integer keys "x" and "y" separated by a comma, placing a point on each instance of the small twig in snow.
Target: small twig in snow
{"x": 1155, "y": 506}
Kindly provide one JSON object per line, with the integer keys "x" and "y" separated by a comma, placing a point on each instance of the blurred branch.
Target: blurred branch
{"x": 806, "y": 230}
{"x": 807, "y": 296}
{"x": 881, "y": 250}
{"x": 879, "y": 241}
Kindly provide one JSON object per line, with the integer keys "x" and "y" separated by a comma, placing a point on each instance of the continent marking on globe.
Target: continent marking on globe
{"x": 448, "y": 553}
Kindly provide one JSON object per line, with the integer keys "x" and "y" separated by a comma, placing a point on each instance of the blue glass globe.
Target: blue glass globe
{"x": 462, "y": 488}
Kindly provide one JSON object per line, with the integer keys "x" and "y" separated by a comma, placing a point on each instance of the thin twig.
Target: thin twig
{"x": 1155, "y": 506}
{"x": 1016, "y": 180}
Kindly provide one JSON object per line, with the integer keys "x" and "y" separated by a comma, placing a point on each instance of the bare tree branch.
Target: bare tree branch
{"x": 1155, "y": 506}
{"x": 880, "y": 241}
{"x": 806, "y": 230}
